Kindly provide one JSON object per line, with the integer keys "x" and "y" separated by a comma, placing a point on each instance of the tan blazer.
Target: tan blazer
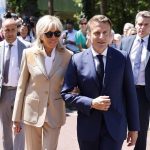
{"x": 38, "y": 94}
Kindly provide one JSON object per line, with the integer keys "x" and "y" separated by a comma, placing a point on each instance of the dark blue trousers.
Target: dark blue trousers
{"x": 144, "y": 113}
{"x": 103, "y": 142}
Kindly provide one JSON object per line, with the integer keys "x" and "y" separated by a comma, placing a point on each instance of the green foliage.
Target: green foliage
{"x": 119, "y": 11}
{"x": 24, "y": 7}
{"x": 16, "y": 5}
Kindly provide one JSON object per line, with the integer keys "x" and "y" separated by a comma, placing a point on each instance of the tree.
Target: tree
{"x": 89, "y": 7}
{"x": 103, "y": 7}
{"x": 50, "y": 7}
{"x": 119, "y": 11}
{"x": 23, "y": 7}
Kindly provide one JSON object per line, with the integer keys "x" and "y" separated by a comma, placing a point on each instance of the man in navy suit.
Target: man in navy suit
{"x": 142, "y": 81}
{"x": 106, "y": 99}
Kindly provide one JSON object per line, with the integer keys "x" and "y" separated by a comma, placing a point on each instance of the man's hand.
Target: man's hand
{"x": 101, "y": 103}
{"x": 16, "y": 127}
{"x": 132, "y": 137}
{"x": 70, "y": 42}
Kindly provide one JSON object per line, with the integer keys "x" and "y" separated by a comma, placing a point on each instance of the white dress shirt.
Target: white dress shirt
{"x": 141, "y": 76}
{"x": 96, "y": 61}
{"x": 13, "y": 74}
{"x": 70, "y": 37}
{"x": 49, "y": 61}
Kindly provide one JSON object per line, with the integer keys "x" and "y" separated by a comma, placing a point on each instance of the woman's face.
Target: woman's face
{"x": 24, "y": 31}
{"x": 83, "y": 25}
{"x": 50, "y": 39}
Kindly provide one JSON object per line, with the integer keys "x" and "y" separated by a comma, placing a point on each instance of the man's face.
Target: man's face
{"x": 125, "y": 31}
{"x": 143, "y": 26}
{"x": 69, "y": 27}
{"x": 100, "y": 36}
{"x": 9, "y": 31}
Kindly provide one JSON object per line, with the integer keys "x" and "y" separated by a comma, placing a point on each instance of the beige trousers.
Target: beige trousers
{"x": 41, "y": 138}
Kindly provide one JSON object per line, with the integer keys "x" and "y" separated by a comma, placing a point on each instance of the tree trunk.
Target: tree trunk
{"x": 50, "y": 7}
{"x": 103, "y": 7}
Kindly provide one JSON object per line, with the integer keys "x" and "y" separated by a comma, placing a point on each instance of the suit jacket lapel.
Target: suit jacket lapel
{"x": 40, "y": 59}
{"x": 90, "y": 64}
{"x": 130, "y": 43}
{"x": 20, "y": 50}
{"x": 2, "y": 51}
{"x": 148, "y": 53}
{"x": 108, "y": 68}
{"x": 57, "y": 61}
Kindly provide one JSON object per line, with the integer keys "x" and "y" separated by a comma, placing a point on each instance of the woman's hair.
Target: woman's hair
{"x": 82, "y": 20}
{"x": 24, "y": 24}
{"x": 45, "y": 24}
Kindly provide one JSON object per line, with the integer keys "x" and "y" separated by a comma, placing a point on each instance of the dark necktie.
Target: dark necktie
{"x": 137, "y": 62}
{"x": 6, "y": 68}
{"x": 100, "y": 70}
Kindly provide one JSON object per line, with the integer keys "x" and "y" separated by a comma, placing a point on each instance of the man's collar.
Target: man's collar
{"x": 144, "y": 38}
{"x": 14, "y": 43}
{"x": 104, "y": 53}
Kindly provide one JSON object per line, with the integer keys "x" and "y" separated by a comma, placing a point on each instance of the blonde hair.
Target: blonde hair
{"x": 45, "y": 24}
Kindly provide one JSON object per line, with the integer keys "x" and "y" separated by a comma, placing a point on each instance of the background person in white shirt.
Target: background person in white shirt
{"x": 8, "y": 84}
{"x": 68, "y": 37}
{"x": 133, "y": 45}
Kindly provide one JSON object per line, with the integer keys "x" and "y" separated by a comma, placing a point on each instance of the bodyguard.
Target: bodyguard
{"x": 10, "y": 57}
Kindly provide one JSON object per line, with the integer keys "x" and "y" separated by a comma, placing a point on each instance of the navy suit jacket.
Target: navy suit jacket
{"x": 118, "y": 84}
{"x": 126, "y": 45}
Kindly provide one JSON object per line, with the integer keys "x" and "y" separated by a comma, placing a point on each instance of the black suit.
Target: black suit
{"x": 143, "y": 94}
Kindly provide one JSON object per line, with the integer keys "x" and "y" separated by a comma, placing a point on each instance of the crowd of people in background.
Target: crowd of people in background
{"x": 25, "y": 26}
{"x": 73, "y": 39}
{"x": 87, "y": 67}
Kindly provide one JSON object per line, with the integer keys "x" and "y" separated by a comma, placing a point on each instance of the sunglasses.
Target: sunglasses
{"x": 83, "y": 23}
{"x": 50, "y": 34}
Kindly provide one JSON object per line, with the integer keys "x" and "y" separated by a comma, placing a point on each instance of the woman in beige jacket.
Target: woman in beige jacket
{"x": 38, "y": 101}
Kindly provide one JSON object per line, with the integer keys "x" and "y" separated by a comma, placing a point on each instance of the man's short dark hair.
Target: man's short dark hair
{"x": 99, "y": 19}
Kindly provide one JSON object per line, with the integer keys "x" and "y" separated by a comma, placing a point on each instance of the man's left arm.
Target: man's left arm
{"x": 1, "y": 70}
{"x": 82, "y": 103}
{"x": 131, "y": 104}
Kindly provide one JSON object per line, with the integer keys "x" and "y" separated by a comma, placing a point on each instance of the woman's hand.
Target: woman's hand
{"x": 16, "y": 127}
